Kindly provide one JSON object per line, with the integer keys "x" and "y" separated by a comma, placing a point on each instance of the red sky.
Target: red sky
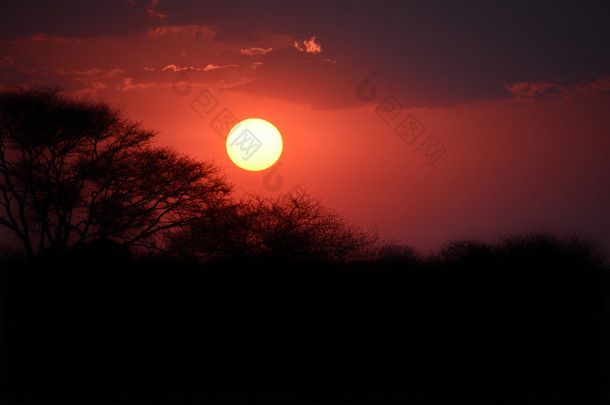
{"x": 517, "y": 97}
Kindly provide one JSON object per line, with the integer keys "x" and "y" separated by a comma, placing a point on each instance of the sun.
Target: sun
{"x": 254, "y": 144}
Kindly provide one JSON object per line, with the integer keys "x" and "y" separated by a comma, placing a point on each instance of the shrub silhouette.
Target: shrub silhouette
{"x": 549, "y": 250}
{"x": 467, "y": 252}
{"x": 535, "y": 252}
{"x": 286, "y": 228}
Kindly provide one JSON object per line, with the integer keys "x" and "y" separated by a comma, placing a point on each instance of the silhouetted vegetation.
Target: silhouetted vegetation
{"x": 146, "y": 278}
{"x": 73, "y": 172}
{"x": 287, "y": 228}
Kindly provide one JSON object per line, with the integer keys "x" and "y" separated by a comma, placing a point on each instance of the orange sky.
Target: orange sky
{"x": 510, "y": 166}
{"x": 524, "y": 151}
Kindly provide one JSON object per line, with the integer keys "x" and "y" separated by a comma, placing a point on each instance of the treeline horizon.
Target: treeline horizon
{"x": 523, "y": 320}
{"x": 79, "y": 178}
{"x": 537, "y": 248}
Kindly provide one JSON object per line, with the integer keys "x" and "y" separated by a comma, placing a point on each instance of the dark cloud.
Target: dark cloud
{"x": 431, "y": 53}
{"x": 299, "y": 77}
{"x": 72, "y": 18}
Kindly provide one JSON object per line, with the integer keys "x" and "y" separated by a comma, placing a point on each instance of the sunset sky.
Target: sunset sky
{"x": 478, "y": 118}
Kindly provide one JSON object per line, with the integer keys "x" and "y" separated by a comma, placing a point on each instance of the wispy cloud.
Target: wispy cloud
{"x": 208, "y": 67}
{"x": 600, "y": 86}
{"x": 309, "y": 46}
{"x": 193, "y": 31}
{"x": 175, "y": 68}
{"x": 56, "y": 39}
{"x": 541, "y": 91}
{"x": 92, "y": 80}
{"x": 153, "y": 12}
{"x": 7, "y": 60}
{"x": 128, "y": 84}
{"x": 214, "y": 67}
{"x": 78, "y": 83}
{"x": 254, "y": 51}
{"x": 538, "y": 91}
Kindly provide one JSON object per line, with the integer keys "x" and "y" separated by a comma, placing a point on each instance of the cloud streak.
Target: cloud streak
{"x": 192, "y": 31}
{"x": 207, "y": 68}
{"x": 128, "y": 84}
{"x": 542, "y": 91}
{"x": 255, "y": 51}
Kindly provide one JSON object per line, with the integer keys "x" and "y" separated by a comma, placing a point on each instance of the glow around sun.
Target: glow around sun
{"x": 254, "y": 144}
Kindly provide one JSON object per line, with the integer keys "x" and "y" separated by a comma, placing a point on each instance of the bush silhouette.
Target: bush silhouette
{"x": 286, "y": 228}
{"x": 548, "y": 250}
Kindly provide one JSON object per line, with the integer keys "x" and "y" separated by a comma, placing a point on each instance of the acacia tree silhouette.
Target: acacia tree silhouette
{"x": 74, "y": 172}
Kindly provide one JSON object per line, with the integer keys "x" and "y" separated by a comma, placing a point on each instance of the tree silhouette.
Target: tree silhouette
{"x": 286, "y": 228}
{"x": 544, "y": 249}
{"x": 534, "y": 250}
{"x": 74, "y": 172}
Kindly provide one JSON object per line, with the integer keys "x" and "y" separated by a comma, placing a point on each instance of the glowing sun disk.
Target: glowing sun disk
{"x": 254, "y": 144}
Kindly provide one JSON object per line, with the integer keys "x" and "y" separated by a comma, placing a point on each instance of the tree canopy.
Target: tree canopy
{"x": 286, "y": 227}
{"x": 73, "y": 172}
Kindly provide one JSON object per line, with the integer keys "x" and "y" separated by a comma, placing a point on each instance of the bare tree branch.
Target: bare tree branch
{"x": 74, "y": 172}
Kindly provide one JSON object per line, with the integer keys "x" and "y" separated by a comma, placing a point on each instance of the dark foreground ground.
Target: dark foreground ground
{"x": 162, "y": 332}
